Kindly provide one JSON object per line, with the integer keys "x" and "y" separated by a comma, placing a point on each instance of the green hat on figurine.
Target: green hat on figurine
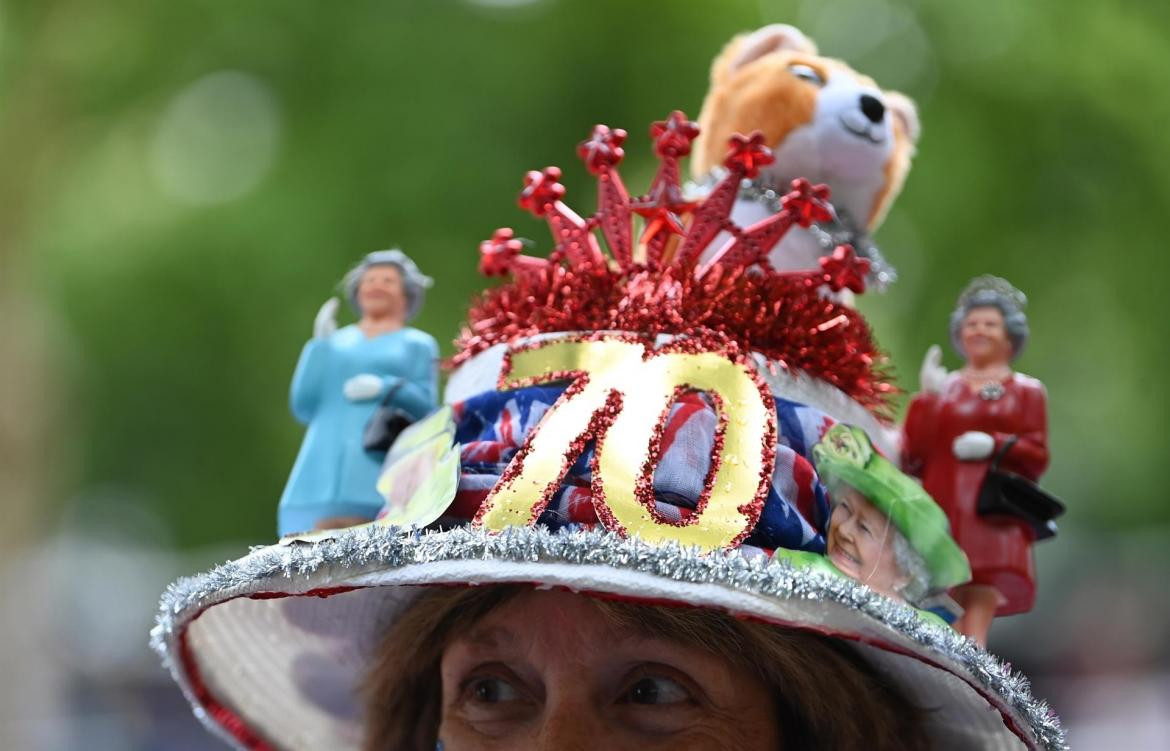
{"x": 846, "y": 455}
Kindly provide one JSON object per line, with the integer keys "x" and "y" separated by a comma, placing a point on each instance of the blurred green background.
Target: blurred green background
{"x": 182, "y": 184}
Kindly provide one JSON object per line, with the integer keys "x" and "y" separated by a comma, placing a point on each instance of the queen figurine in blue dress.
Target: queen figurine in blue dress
{"x": 342, "y": 377}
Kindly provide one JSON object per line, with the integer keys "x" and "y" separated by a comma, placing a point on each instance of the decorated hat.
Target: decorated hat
{"x": 846, "y": 455}
{"x": 638, "y": 424}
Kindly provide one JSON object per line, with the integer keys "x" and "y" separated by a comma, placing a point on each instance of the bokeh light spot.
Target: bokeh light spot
{"x": 217, "y": 138}
{"x": 972, "y": 33}
{"x": 883, "y": 41}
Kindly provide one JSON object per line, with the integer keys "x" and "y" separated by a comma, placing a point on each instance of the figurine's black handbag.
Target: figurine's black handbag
{"x": 1007, "y": 493}
{"x": 386, "y": 423}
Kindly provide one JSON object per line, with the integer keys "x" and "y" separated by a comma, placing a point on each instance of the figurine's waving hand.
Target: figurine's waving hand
{"x": 326, "y": 321}
{"x": 933, "y": 373}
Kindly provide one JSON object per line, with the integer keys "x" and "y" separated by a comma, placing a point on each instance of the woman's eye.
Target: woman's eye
{"x": 492, "y": 691}
{"x": 806, "y": 73}
{"x": 657, "y": 691}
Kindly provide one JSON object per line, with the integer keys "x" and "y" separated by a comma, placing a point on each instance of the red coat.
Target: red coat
{"x": 999, "y": 548}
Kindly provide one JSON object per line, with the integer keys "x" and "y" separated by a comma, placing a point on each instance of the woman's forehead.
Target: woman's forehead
{"x": 540, "y": 617}
{"x": 543, "y": 633}
{"x": 983, "y": 311}
{"x": 536, "y": 611}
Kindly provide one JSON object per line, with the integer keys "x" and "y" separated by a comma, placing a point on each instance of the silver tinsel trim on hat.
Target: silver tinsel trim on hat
{"x": 363, "y": 549}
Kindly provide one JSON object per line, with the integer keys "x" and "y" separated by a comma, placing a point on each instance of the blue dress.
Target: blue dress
{"x": 333, "y": 474}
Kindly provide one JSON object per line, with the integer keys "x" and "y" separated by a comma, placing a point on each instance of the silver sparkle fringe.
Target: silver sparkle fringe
{"x": 353, "y": 551}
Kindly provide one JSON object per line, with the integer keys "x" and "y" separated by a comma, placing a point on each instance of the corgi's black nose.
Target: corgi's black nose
{"x": 872, "y": 108}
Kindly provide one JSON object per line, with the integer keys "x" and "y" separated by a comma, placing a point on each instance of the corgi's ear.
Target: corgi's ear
{"x": 746, "y": 48}
{"x": 904, "y": 110}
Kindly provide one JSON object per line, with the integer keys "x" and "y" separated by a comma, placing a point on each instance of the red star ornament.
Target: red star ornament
{"x": 674, "y": 135}
{"x": 542, "y": 190}
{"x": 844, "y": 269}
{"x": 807, "y": 202}
{"x": 748, "y": 155}
{"x": 603, "y": 149}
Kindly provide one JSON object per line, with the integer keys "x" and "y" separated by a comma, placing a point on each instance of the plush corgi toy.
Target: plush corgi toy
{"x": 824, "y": 122}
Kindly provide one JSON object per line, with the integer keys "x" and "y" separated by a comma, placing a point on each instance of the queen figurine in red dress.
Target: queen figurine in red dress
{"x": 960, "y": 424}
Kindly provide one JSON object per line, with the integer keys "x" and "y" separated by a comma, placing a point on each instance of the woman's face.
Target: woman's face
{"x": 860, "y": 545}
{"x": 380, "y": 293}
{"x": 984, "y": 338}
{"x": 548, "y": 671}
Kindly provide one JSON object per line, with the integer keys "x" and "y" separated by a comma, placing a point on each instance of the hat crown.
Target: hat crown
{"x": 691, "y": 271}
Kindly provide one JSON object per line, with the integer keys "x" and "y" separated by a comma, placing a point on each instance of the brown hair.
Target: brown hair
{"x": 826, "y": 696}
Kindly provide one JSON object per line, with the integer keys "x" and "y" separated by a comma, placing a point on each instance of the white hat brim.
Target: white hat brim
{"x": 270, "y": 649}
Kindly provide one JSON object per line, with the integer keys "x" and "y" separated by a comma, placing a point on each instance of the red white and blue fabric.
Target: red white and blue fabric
{"x": 492, "y": 426}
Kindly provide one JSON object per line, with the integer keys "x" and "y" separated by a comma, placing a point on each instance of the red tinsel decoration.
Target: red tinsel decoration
{"x": 782, "y": 318}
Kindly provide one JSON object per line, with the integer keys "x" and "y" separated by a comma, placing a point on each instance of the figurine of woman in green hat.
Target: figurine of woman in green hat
{"x": 884, "y": 530}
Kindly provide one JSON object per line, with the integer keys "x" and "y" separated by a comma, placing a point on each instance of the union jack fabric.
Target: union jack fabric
{"x": 494, "y": 425}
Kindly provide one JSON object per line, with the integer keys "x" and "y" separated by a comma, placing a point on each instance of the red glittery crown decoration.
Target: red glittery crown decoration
{"x": 691, "y": 271}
